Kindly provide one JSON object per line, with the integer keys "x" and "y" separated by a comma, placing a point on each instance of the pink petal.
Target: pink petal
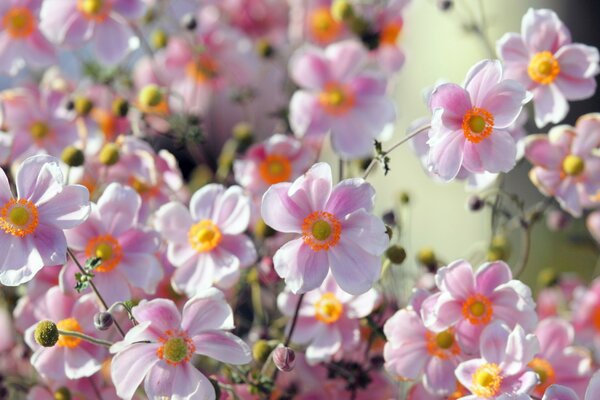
{"x": 327, "y": 342}
{"x": 119, "y": 206}
{"x": 550, "y": 105}
{"x": 558, "y": 392}
{"x": 465, "y": 370}
{"x": 512, "y": 50}
{"x": 40, "y": 52}
{"x": 68, "y": 209}
{"x": 481, "y": 79}
{"x": 281, "y": 212}
{"x": 302, "y": 268}
{"x": 182, "y": 382}
{"x": 39, "y": 179}
{"x": 366, "y": 231}
{"x": 111, "y": 41}
{"x": 454, "y": 101}
{"x": 540, "y": 151}
{"x": 520, "y": 350}
{"x": 307, "y": 117}
{"x": 494, "y": 340}
{"x": 363, "y": 305}
{"x": 542, "y": 30}
{"x": 241, "y": 246}
{"x": 346, "y": 58}
{"x": 309, "y": 68}
{"x": 171, "y": 220}
{"x": 207, "y": 310}
{"x": 163, "y": 314}
{"x": 131, "y": 9}
{"x": 79, "y": 363}
{"x": 306, "y": 329}
{"x": 439, "y": 376}
{"x": 49, "y": 362}
{"x": 457, "y": 279}
{"x": 130, "y": 366}
{"x": 222, "y": 346}
{"x": 588, "y": 135}
{"x": 232, "y": 213}
{"x": 555, "y": 335}
{"x": 354, "y": 269}
{"x": 505, "y": 101}
{"x": 407, "y": 361}
{"x": 593, "y": 390}
{"x": 498, "y": 152}
{"x": 491, "y": 275}
{"x": 440, "y": 311}
{"x": 5, "y": 192}
{"x": 446, "y": 155}
{"x": 204, "y": 201}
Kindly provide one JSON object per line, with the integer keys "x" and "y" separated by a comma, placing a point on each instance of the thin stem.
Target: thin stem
{"x": 525, "y": 252}
{"x": 394, "y": 147}
{"x": 294, "y": 320}
{"x": 95, "y": 289}
{"x": 340, "y": 170}
{"x": 85, "y": 337}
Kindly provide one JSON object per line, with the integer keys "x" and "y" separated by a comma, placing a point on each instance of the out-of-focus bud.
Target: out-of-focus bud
{"x": 475, "y": 203}
{"x": 427, "y": 257}
{"x": 46, "y": 333}
{"x": 120, "y": 107}
{"x": 341, "y": 10}
{"x": 150, "y": 96}
{"x": 72, "y": 156}
{"x": 445, "y": 5}
{"x": 404, "y": 198}
{"x": 284, "y": 358}
{"x": 189, "y": 22}
{"x": 159, "y": 39}
{"x": 499, "y": 249}
{"x": 244, "y": 135}
{"x": 109, "y": 155}
{"x": 62, "y": 393}
{"x": 264, "y": 48}
{"x": 396, "y": 254}
{"x": 261, "y": 350}
{"x": 103, "y": 320}
{"x": 83, "y": 106}
{"x": 262, "y": 230}
{"x": 547, "y": 277}
{"x": 389, "y": 218}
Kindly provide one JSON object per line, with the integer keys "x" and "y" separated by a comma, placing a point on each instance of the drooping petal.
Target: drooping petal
{"x": 222, "y": 346}
{"x": 302, "y": 268}
{"x": 131, "y": 365}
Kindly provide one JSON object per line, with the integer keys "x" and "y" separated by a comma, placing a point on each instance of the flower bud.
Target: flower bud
{"x": 243, "y": 133}
{"x": 341, "y": 10}
{"x": 62, "y": 393}
{"x": 499, "y": 249}
{"x": 284, "y": 358}
{"x": 189, "y": 22}
{"x": 103, "y": 320}
{"x": 548, "y": 277}
{"x": 264, "y": 48}
{"x": 83, "y": 106}
{"x": 159, "y": 39}
{"x": 475, "y": 203}
{"x": 120, "y": 107}
{"x": 46, "y": 333}
{"x": 150, "y": 96}
{"x": 404, "y": 198}
{"x": 261, "y": 350}
{"x": 109, "y": 155}
{"x": 444, "y": 5}
{"x": 72, "y": 156}
{"x": 389, "y": 218}
{"x": 427, "y": 257}
{"x": 396, "y": 254}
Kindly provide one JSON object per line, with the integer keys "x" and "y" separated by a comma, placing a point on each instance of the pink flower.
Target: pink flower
{"x": 70, "y": 358}
{"x": 160, "y": 348}
{"x": 502, "y": 368}
{"x": 586, "y": 316}
{"x": 470, "y": 125}
{"x": 558, "y": 361}
{"x": 35, "y": 121}
{"x": 101, "y": 22}
{"x": 565, "y": 165}
{"x": 545, "y": 61}
{"x": 470, "y": 301}
{"x": 338, "y": 95}
{"x": 559, "y": 392}
{"x": 329, "y": 319}
{"x": 336, "y": 230}
{"x": 31, "y": 225}
{"x": 414, "y": 352}
{"x": 593, "y": 224}
{"x": 127, "y": 250}
{"x": 206, "y": 243}
{"x": 278, "y": 159}
{"x": 21, "y": 42}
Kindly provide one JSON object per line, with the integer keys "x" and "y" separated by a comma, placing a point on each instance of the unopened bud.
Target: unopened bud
{"x": 389, "y": 218}
{"x": 444, "y": 5}
{"x": 426, "y": 256}
{"x": 404, "y": 198}
{"x": 159, "y": 39}
{"x": 150, "y": 96}
{"x": 83, "y": 106}
{"x": 62, "y": 393}
{"x": 264, "y": 48}
{"x": 261, "y": 350}
{"x": 103, "y": 320}
{"x": 475, "y": 203}
{"x": 72, "y": 156}
{"x": 396, "y": 254}
{"x": 120, "y": 107}
{"x": 46, "y": 333}
{"x": 284, "y": 358}
{"x": 109, "y": 155}
{"x": 189, "y": 22}
{"x": 341, "y": 10}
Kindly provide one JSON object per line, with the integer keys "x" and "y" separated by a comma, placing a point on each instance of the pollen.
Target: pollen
{"x": 390, "y": 33}
{"x": 69, "y": 324}
{"x": 19, "y": 22}
{"x": 321, "y": 230}
{"x": 328, "y": 308}
{"x": 176, "y": 348}
{"x": 478, "y": 309}
{"x": 204, "y": 236}
{"x": 442, "y": 345}
{"x": 108, "y": 249}
{"x": 323, "y": 27}
{"x": 19, "y": 217}
{"x": 39, "y": 130}
{"x": 275, "y": 169}
{"x": 573, "y": 165}
{"x": 96, "y": 10}
{"x": 543, "y": 68}
{"x": 336, "y": 99}
{"x": 487, "y": 381}
{"x": 545, "y": 372}
{"x": 477, "y": 124}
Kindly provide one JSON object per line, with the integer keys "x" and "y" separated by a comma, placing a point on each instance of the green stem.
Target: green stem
{"x": 85, "y": 337}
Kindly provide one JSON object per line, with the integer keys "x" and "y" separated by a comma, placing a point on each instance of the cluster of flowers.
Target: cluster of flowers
{"x": 163, "y": 210}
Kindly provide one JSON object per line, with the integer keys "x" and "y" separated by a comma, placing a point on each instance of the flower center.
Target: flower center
{"x": 39, "y": 130}
{"x": 177, "y": 348}
{"x": 204, "y": 69}
{"x": 96, "y": 10}
{"x": 275, "y": 169}
{"x": 390, "y": 32}
{"x": 487, "y": 380}
{"x": 19, "y": 217}
{"x": 442, "y": 344}
{"x": 69, "y": 324}
{"x": 106, "y": 121}
{"x": 573, "y": 165}
{"x": 204, "y": 236}
{"x": 543, "y": 68}
{"x": 477, "y": 309}
{"x": 321, "y": 230}
{"x": 323, "y": 27}
{"x": 19, "y": 22}
{"x": 478, "y": 124}
{"x": 336, "y": 99}
{"x": 328, "y": 308}
{"x": 108, "y": 249}
{"x": 545, "y": 373}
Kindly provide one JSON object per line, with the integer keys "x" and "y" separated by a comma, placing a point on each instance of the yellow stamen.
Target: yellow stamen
{"x": 204, "y": 236}
{"x": 328, "y": 308}
{"x": 321, "y": 230}
{"x": 543, "y": 68}
{"x": 19, "y": 217}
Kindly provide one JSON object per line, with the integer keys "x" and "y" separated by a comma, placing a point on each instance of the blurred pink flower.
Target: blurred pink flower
{"x": 565, "y": 165}
{"x": 159, "y": 349}
{"x": 104, "y": 23}
{"x": 207, "y": 243}
{"x": 413, "y": 352}
{"x": 586, "y": 316}
{"x": 470, "y": 125}
{"x": 21, "y": 42}
{"x": 559, "y": 392}
{"x": 31, "y": 225}
{"x": 71, "y": 357}
{"x": 127, "y": 250}
{"x": 328, "y": 320}
{"x": 338, "y": 95}
{"x": 278, "y": 159}
{"x": 502, "y": 369}
{"x": 335, "y": 227}
{"x": 470, "y": 301}
{"x": 545, "y": 61}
